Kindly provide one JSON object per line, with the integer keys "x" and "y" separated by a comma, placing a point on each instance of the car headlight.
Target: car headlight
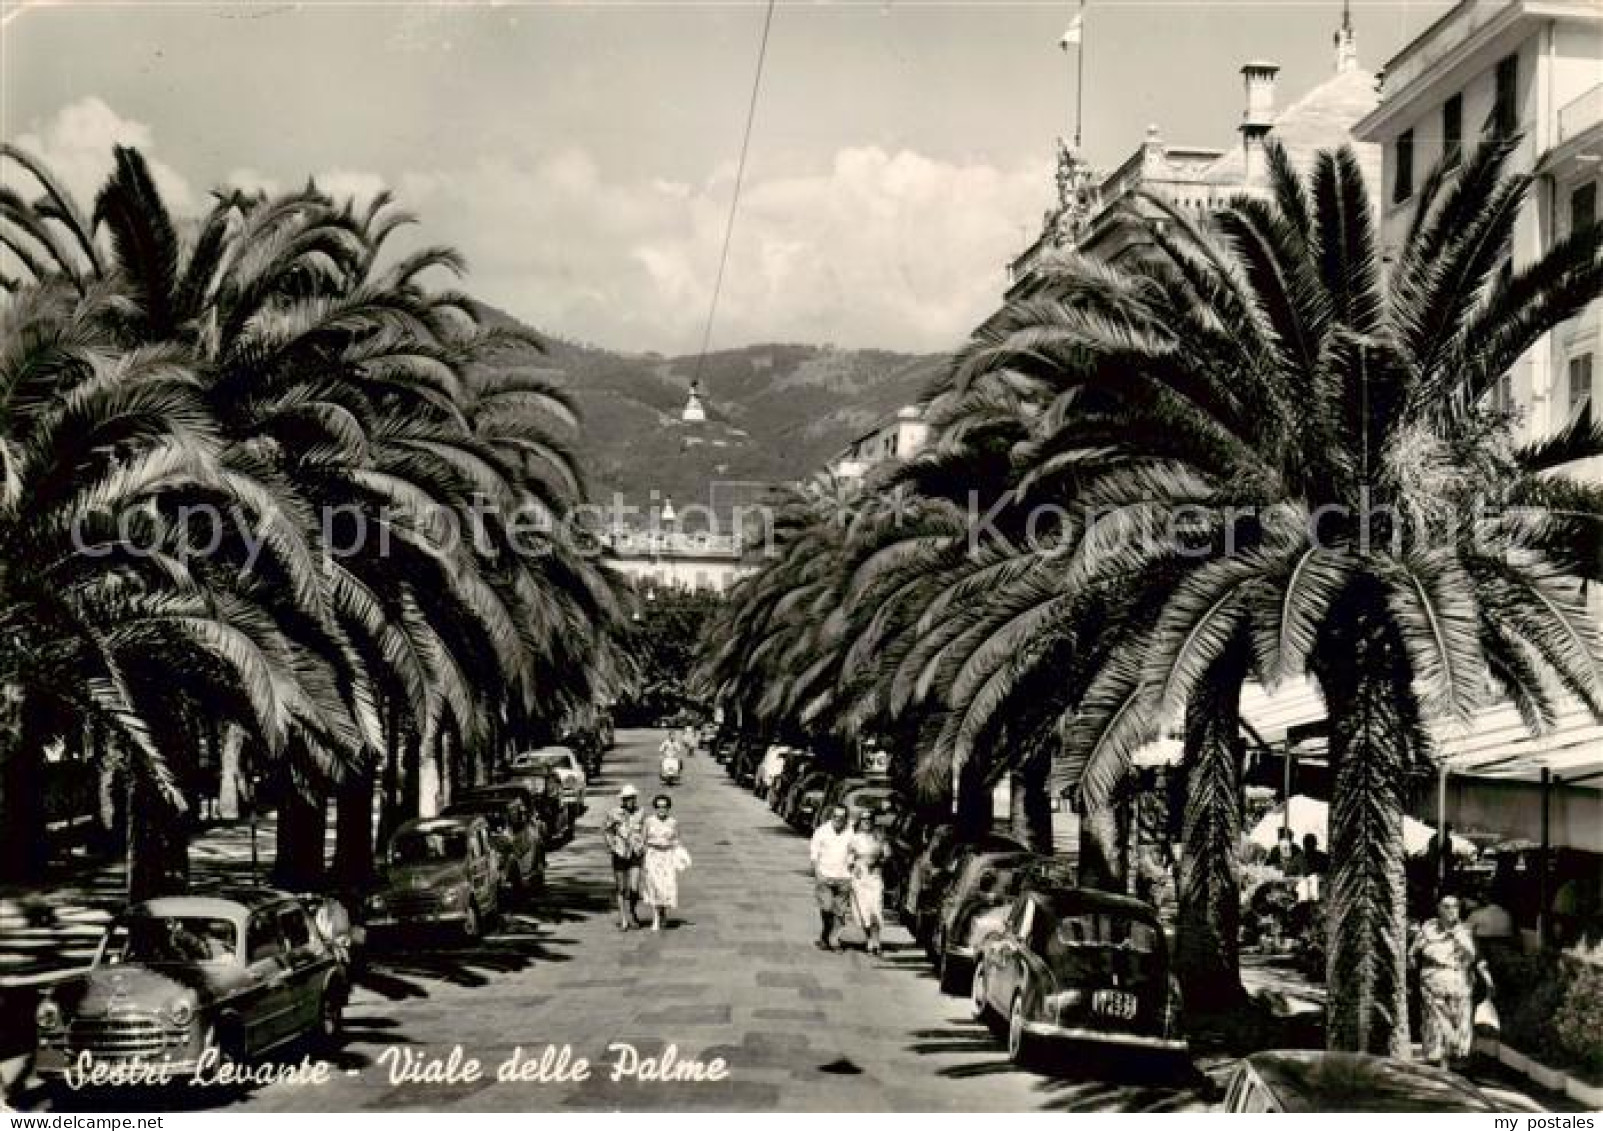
{"x": 453, "y": 896}
{"x": 375, "y": 903}
{"x": 180, "y": 1013}
{"x": 47, "y": 1016}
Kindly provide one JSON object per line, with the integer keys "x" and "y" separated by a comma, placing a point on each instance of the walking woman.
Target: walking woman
{"x": 865, "y": 856}
{"x": 662, "y": 863}
{"x": 1444, "y": 951}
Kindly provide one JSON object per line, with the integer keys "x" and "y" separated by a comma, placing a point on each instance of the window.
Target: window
{"x": 1581, "y": 388}
{"x": 1505, "y": 114}
{"x": 1403, "y": 184}
{"x": 261, "y": 939}
{"x": 1583, "y": 206}
{"x": 1452, "y": 131}
{"x": 292, "y": 922}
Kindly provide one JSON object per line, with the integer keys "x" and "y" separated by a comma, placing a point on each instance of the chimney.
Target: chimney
{"x": 1259, "y": 116}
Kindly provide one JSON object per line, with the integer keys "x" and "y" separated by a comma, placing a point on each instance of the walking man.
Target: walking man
{"x": 624, "y": 832}
{"x": 832, "y": 875}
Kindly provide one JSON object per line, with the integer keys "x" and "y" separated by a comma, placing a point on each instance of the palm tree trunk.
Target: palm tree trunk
{"x": 158, "y": 840}
{"x": 1207, "y": 943}
{"x": 1101, "y": 852}
{"x": 975, "y": 804}
{"x": 24, "y": 849}
{"x": 302, "y": 829}
{"x": 1029, "y": 807}
{"x": 353, "y": 832}
{"x": 1374, "y": 729}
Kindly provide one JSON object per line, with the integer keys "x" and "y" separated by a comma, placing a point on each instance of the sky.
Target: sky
{"x": 582, "y": 155}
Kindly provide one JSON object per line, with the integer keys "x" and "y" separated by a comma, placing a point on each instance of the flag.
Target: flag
{"x": 1071, "y": 38}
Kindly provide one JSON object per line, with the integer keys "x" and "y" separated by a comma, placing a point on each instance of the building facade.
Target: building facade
{"x": 899, "y": 436}
{"x": 1531, "y": 69}
{"x": 1092, "y": 214}
{"x": 661, "y": 559}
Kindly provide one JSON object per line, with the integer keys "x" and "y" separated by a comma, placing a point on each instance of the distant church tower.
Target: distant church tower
{"x": 1346, "y": 41}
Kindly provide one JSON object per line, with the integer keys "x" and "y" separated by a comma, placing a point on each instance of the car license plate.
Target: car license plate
{"x": 1114, "y": 1003}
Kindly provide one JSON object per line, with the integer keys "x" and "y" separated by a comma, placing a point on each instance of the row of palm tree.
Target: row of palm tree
{"x": 1254, "y": 452}
{"x": 263, "y": 487}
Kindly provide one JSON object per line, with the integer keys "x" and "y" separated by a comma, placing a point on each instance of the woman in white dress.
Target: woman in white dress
{"x": 865, "y": 856}
{"x": 661, "y": 870}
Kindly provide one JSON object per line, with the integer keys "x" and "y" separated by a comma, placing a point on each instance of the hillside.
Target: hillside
{"x": 775, "y": 413}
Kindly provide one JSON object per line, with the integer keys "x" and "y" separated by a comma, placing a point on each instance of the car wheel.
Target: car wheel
{"x": 1019, "y": 1046}
{"x": 976, "y": 994}
{"x": 472, "y": 926}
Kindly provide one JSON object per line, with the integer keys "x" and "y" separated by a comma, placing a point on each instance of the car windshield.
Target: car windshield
{"x": 172, "y": 940}
{"x": 422, "y": 848}
{"x": 554, "y": 760}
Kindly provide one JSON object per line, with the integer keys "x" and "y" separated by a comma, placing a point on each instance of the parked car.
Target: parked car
{"x": 743, "y": 767}
{"x": 182, "y": 978}
{"x": 813, "y": 783}
{"x": 836, "y": 792}
{"x": 938, "y": 868}
{"x": 1077, "y": 965}
{"x": 543, "y": 788}
{"x": 905, "y": 839}
{"x": 439, "y": 872}
{"x": 797, "y": 766}
{"x": 1307, "y": 1081}
{"x": 515, "y": 834}
{"x": 565, "y": 763}
{"x": 976, "y": 906}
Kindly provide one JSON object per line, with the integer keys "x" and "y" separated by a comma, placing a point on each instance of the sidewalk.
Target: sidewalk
{"x": 48, "y": 931}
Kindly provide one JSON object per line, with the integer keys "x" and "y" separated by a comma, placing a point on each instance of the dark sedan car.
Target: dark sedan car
{"x": 1078, "y": 965}
{"x": 182, "y": 981}
{"x": 977, "y": 902}
{"x": 514, "y": 833}
{"x": 1307, "y": 1081}
{"x": 937, "y": 869}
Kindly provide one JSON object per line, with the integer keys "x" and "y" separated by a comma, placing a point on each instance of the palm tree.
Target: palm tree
{"x": 1325, "y": 430}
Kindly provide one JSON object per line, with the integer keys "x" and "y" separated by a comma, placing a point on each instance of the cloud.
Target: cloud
{"x": 77, "y": 145}
{"x": 870, "y": 247}
{"x": 891, "y": 249}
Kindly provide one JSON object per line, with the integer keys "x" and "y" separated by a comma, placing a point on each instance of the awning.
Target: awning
{"x": 1310, "y": 815}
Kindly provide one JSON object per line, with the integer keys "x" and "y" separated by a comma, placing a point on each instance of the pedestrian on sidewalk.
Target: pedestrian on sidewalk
{"x": 1444, "y": 953}
{"x": 865, "y": 856}
{"x": 624, "y": 832}
{"x": 832, "y": 876}
{"x": 661, "y": 833}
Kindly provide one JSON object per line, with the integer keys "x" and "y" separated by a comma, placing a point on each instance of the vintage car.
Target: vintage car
{"x": 797, "y": 766}
{"x": 976, "y": 907}
{"x": 1078, "y": 965}
{"x": 802, "y": 800}
{"x": 880, "y": 798}
{"x": 771, "y": 766}
{"x": 238, "y": 973}
{"x": 1299, "y": 1080}
{"x": 570, "y": 772}
{"x": 541, "y": 785}
{"x": 439, "y": 872}
{"x": 515, "y": 832}
{"x": 936, "y": 870}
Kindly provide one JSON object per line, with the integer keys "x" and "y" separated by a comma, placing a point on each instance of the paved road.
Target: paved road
{"x": 737, "y": 978}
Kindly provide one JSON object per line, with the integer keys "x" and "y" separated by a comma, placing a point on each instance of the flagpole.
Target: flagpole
{"x": 1079, "y": 77}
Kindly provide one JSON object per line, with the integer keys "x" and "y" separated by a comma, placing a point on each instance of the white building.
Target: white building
{"x": 1505, "y": 67}
{"x": 898, "y": 436}
{"x": 704, "y": 562}
{"x": 1093, "y": 211}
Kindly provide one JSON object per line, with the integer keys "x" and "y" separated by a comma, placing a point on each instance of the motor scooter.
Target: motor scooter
{"x": 669, "y": 770}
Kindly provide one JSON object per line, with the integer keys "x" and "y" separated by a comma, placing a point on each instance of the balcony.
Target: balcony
{"x": 1580, "y": 115}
